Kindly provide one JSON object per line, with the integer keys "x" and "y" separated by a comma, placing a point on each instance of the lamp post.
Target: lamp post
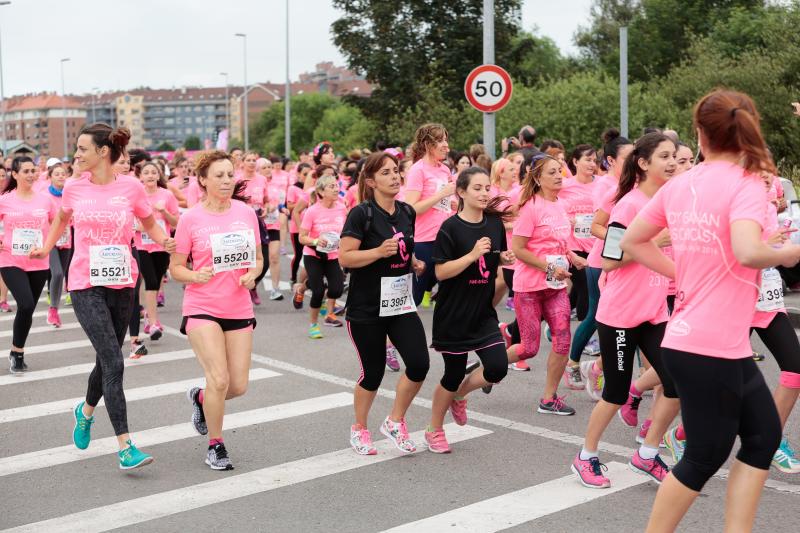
{"x": 287, "y": 119}
{"x": 64, "y": 104}
{"x": 2, "y": 107}
{"x": 227, "y": 104}
{"x": 94, "y": 111}
{"x": 246, "y": 125}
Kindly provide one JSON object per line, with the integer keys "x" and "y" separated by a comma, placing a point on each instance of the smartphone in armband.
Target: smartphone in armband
{"x": 611, "y": 249}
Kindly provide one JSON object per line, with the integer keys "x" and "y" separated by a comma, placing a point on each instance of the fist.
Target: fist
{"x": 203, "y": 275}
{"x": 388, "y": 248}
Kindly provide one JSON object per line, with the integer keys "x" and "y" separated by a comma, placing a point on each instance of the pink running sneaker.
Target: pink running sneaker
{"x": 52, "y": 317}
{"x": 594, "y": 380}
{"x": 437, "y": 442}
{"x": 4, "y": 307}
{"x": 160, "y": 300}
{"x": 504, "y": 332}
{"x": 520, "y": 366}
{"x": 629, "y": 413}
{"x": 397, "y": 432}
{"x": 655, "y": 468}
{"x": 361, "y": 441}
{"x": 590, "y": 472}
{"x": 643, "y": 431}
{"x": 458, "y": 409}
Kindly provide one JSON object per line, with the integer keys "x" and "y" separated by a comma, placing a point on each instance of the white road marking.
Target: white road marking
{"x": 9, "y": 317}
{"x": 44, "y": 329}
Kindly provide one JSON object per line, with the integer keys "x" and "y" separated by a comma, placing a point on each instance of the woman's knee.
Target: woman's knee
{"x": 417, "y": 369}
{"x": 495, "y": 371}
{"x": 218, "y": 380}
{"x": 236, "y": 388}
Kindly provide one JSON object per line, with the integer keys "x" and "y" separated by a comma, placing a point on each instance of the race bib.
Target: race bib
{"x": 331, "y": 240}
{"x": 64, "y": 239}
{"x": 560, "y": 261}
{"x": 770, "y": 297}
{"x": 146, "y": 236}
{"x": 583, "y": 226}
{"x": 443, "y": 204}
{"x": 109, "y": 264}
{"x": 233, "y": 250}
{"x": 272, "y": 217}
{"x": 396, "y": 298}
{"x": 23, "y": 240}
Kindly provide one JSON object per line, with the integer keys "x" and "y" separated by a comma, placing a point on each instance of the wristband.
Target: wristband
{"x": 316, "y": 241}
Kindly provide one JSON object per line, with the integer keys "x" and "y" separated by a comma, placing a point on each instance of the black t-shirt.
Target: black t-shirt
{"x": 464, "y": 318}
{"x": 363, "y": 298}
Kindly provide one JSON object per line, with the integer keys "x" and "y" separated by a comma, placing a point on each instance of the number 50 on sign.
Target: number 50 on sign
{"x": 488, "y": 88}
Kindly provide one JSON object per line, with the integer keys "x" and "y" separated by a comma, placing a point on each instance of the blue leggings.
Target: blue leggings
{"x": 423, "y": 251}
{"x": 589, "y": 324}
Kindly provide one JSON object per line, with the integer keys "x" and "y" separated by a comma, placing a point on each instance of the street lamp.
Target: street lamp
{"x": 227, "y": 104}
{"x": 94, "y": 112}
{"x": 287, "y": 118}
{"x": 246, "y": 126}
{"x": 2, "y": 107}
{"x": 64, "y": 104}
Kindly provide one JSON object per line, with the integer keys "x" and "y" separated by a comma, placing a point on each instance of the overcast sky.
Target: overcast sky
{"x": 122, "y": 44}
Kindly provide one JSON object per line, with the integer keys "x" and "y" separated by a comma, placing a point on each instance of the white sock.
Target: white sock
{"x": 646, "y": 452}
{"x": 586, "y": 454}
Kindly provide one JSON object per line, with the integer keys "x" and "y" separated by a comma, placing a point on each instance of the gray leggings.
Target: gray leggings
{"x": 59, "y": 263}
{"x": 104, "y": 314}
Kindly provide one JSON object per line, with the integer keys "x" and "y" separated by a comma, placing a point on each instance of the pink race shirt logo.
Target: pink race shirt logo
{"x": 401, "y": 244}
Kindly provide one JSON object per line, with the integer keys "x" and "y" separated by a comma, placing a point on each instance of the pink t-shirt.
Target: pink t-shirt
{"x": 511, "y": 202}
{"x": 280, "y": 179}
{"x": 633, "y": 294}
{"x": 256, "y": 190}
{"x": 65, "y": 241}
{"x": 102, "y": 218}
{"x": 428, "y": 180}
{"x": 606, "y": 204}
{"x": 319, "y": 220}
{"x": 294, "y": 195}
{"x": 193, "y": 192}
{"x": 578, "y": 200}
{"x": 41, "y": 186}
{"x": 716, "y": 295}
{"x": 762, "y": 319}
{"x": 142, "y": 240}
{"x": 350, "y": 197}
{"x": 222, "y": 296}
{"x": 547, "y": 226}
{"x": 24, "y": 222}
{"x": 272, "y": 218}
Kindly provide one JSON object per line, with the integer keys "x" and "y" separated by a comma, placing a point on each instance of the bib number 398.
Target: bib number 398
{"x": 396, "y": 296}
{"x": 770, "y": 297}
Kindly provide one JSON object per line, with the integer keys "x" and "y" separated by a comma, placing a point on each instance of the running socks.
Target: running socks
{"x": 586, "y": 454}
{"x": 646, "y": 452}
{"x": 214, "y": 442}
{"x": 200, "y": 396}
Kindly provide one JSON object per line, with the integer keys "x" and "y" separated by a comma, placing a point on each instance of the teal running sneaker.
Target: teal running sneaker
{"x": 785, "y": 458}
{"x": 82, "y": 434}
{"x": 674, "y": 444}
{"x": 131, "y": 457}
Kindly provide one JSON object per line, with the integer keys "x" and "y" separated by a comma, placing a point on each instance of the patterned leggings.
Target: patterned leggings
{"x": 551, "y": 305}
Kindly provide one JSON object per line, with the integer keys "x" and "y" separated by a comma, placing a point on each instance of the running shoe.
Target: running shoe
{"x": 314, "y": 332}
{"x": 283, "y": 250}
{"x": 675, "y": 445}
{"x": 338, "y": 309}
{"x": 4, "y": 307}
{"x": 655, "y": 468}
{"x": 487, "y": 389}
{"x": 299, "y": 296}
{"x": 254, "y": 297}
{"x": 437, "y": 442}
{"x": 555, "y": 406}
{"x": 131, "y": 457}
{"x": 82, "y": 433}
{"x": 506, "y": 335}
{"x": 397, "y": 432}
{"x": 594, "y": 380}
{"x": 332, "y": 322}
{"x": 426, "y": 300}
{"x": 17, "y": 363}
{"x": 391, "y": 359}
{"x": 68, "y": 299}
{"x": 198, "y": 416}
{"x": 472, "y": 366}
{"x": 160, "y": 299}
{"x": 138, "y": 349}
{"x": 48, "y": 297}
{"x": 520, "y": 366}
{"x": 758, "y": 356}
{"x": 52, "y": 317}
{"x": 572, "y": 377}
{"x": 590, "y": 472}
{"x": 510, "y": 303}
{"x": 275, "y": 295}
{"x": 642, "y": 434}
{"x": 361, "y": 441}
{"x": 155, "y": 332}
{"x": 629, "y": 413}
{"x": 592, "y": 347}
{"x": 573, "y": 315}
{"x": 785, "y": 458}
{"x": 217, "y": 457}
{"x": 458, "y": 409}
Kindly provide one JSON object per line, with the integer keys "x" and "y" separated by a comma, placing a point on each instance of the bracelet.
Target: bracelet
{"x": 315, "y": 242}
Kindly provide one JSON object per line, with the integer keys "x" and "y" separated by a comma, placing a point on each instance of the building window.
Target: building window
{"x": 198, "y": 109}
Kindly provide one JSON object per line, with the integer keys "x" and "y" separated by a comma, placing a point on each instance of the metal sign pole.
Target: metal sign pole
{"x": 488, "y": 59}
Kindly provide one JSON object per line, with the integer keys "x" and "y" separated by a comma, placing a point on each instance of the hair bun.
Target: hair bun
{"x": 610, "y": 134}
{"x": 120, "y": 137}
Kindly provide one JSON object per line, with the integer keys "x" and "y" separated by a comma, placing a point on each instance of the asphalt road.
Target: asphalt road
{"x": 288, "y": 439}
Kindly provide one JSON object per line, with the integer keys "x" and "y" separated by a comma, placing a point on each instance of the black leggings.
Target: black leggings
{"x": 152, "y": 267}
{"x": 103, "y": 314}
{"x": 579, "y": 296}
{"x": 720, "y": 399}
{"x": 265, "y": 255}
{"x": 493, "y": 358}
{"x": 508, "y": 277}
{"x": 26, "y": 286}
{"x": 133, "y": 320}
{"x": 618, "y": 351}
{"x": 298, "y": 255}
{"x": 406, "y": 334}
{"x": 781, "y": 340}
{"x": 321, "y": 270}
{"x": 59, "y": 267}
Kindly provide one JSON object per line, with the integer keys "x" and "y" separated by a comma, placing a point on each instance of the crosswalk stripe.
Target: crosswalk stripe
{"x": 150, "y": 437}
{"x": 518, "y": 507}
{"x": 85, "y": 368}
{"x": 43, "y": 329}
{"x": 38, "y": 314}
{"x": 142, "y": 393}
{"x": 171, "y": 502}
{"x": 42, "y": 298}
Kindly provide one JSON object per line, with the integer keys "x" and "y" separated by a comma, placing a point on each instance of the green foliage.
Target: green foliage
{"x": 165, "y": 147}
{"x": 346, "y": 126}
{"x": 192, "y": 142}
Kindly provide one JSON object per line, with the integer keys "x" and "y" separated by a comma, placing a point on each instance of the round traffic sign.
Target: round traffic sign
{"x": 488, "y": 88}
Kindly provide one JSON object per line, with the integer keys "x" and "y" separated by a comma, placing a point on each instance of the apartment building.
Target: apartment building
{"x": 39, "y": 120}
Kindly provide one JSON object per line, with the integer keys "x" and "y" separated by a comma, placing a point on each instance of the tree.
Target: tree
{"x": 536, "y": 59}
{"x": 165, "y": 147}
{"x": 192, "y": 142}
{"x": 346, "y": 126}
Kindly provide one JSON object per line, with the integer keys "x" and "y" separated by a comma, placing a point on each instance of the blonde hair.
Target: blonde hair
{"x": 319, "y": 187}
{"x": 498, "y": 167}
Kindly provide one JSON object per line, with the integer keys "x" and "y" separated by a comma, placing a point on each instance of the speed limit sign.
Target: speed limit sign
{"x": 488, "y": 88}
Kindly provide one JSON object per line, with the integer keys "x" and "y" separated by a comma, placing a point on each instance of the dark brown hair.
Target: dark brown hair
{"x": 493, "y": 207}
{"x": 161, "y": 181}
{"x": 535, "y": 167}
{"x": 372, "y": 164}
{"x": 104, "y": 135}
{"x": 426, "y": 138}
{"x": 632, "y": 173}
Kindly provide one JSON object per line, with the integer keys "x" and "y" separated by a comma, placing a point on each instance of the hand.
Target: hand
{"x": 36, "y": 253}
{"x": 781, "y": 204}
{"x": 560, "y": 274}
{"x": 780, "y": 236}
{"x": 663, "y": 239}
{"x": 504, "y": 145}
{"x": 203, "y": 275}
{"x": 579, "y": 262}
{"x": 514, "y": 142}
{"x": 169, "y": 245}
{"x": 796, "y": 106}
{"x": 388, "y": 248}
{"x": 418, "y": 267}
{"x": 321, "y": 242}
{"x": 508, "y": 257}
{"x": 447, "y": 190}
{"x": 248, "y": 280}
{"x": 482, "y": 247}
{"x": 160, "y": 207}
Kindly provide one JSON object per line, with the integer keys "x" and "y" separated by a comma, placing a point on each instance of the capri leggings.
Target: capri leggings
{"x": 153, "y": 266}
{"x": 508, "y": 277}
{"x": 423, "y": 251}
{"x": 551, "y": 305}
{"x": 589, "y": 324}
{"x": 720, "y": 399}
{"x": 133, "y": 319}
{"x": 59, "y": 266}
{"x": 579, "y": 295}
{"x": 265, "y": 255}
{"x": 321, "y": 270}
{"x": 618, "y": 351}
{"x": 298, "y": 255}
{"x": 780, "y": 339}
{"x": 26, "y": 286}
{"x": 493, "y": 358}
{"x": 406, "y": 334}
